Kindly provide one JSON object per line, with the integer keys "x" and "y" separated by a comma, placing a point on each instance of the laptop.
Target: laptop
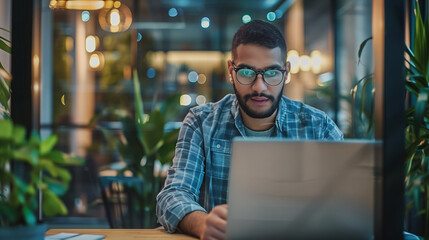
{"x": 288, "y": 189}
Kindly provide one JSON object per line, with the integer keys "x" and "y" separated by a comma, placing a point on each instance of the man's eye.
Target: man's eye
{"x": 271, "y": 73}
{"x": 246, "y": 72}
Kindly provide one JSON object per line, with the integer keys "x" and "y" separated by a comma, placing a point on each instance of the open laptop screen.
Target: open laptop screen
{"x": 288, "y": 189}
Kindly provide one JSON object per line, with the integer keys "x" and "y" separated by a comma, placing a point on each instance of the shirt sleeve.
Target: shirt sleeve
{"x": 331, "y": 131}
{"x": 181, "y": 190}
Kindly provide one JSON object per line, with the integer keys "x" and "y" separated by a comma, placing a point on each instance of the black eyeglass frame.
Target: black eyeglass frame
{"x": 262, "y": 72}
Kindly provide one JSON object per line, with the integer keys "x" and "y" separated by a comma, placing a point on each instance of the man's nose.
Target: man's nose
{"x": 259, "y": 84}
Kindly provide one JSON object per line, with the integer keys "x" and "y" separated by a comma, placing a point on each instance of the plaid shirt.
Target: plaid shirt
{"x": 198, "y": 179}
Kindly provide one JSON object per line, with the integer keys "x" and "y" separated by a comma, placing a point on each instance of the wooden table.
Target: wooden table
{"x": 124, "y": 234}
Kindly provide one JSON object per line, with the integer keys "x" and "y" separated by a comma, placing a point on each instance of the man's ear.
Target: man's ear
{"x": 230, "y": 71}
{"x": 287, "y": 66}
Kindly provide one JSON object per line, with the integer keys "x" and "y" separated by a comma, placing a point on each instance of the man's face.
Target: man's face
{"x": 258, "y": 100}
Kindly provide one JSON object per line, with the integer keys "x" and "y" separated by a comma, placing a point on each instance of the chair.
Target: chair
{"x": 123, "y": 201}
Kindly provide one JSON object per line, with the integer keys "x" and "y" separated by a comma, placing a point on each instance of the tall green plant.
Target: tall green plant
{"x": 45, "y": 172}
{"x": 4, "y": 79}
{"x": 417, "y": 116}
{"x": 145, "y": 141}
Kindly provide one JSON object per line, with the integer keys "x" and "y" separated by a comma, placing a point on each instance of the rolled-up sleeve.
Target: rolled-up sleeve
{"x": 181, "y": 190}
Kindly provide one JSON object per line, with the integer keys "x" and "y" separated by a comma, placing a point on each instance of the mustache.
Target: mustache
{"x": 248, "y": 96}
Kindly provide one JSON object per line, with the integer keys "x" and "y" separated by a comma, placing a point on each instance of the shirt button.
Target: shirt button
{"x": 218, "y": 146}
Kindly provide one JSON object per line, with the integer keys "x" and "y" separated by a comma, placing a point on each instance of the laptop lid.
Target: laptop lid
{"x": 288, "y": 189}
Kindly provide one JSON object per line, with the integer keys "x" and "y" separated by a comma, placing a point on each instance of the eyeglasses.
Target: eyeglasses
{"x": 247, "y": 76}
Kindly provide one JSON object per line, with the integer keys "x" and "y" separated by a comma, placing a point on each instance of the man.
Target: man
{"x": 193, "y": 199}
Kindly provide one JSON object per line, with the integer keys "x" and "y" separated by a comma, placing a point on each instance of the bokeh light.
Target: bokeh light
{"x": 305, "y": 63}
{"x": 96, "y": 61}
{"x": 193, "y": 76}
{"x": 246, "y": 18}
{"x": 279, "y": 14}
{"x": 85, "y": 16}
{"x": 90, "y": 43}
{"x": 117, "y": 4}
{"x": 115, "y": 18}
{"x": 271, "y": 16}
{"x": 202, "y": 78}
{"x": 316, "y": 61}
{"x": 200, "y": 99}
{"x": 185, "y": 100}
{"x": 293, "y": 58}
{"x": 205, "y": 22}
{"x": 139, "y": 37}
{"x": 172, "y": 12}
{"x": 151, "y": 73}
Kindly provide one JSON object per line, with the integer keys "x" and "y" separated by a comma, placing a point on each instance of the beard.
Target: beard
{"x": 254, "y": 114}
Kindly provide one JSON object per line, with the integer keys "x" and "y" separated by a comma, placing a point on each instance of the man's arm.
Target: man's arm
{"x": 180, "y": 194}
{"x": 206, "y": 226}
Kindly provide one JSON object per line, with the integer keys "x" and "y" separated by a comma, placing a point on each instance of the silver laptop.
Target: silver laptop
{"x": 288, "y": 189}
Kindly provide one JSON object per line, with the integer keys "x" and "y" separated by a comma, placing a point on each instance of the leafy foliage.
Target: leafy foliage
{"x": 4, "y": 79}
{"x": 46, "y": 173}
{"x": 145, "y": 141}
{"x": 417, "y": 116}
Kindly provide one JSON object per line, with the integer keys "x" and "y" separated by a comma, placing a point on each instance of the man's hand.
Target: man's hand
{"x": 206, "y": 226}
{"x": 214, "y": 225}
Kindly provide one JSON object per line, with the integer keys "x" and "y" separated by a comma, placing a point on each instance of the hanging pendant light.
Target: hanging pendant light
{"x": 78, "y": 4}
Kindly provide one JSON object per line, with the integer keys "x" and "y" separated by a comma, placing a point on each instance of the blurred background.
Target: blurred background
{"x": 90, "y": 49}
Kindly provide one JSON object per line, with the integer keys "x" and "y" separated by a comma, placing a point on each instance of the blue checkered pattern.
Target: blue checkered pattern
{"x": 198, "y": 179}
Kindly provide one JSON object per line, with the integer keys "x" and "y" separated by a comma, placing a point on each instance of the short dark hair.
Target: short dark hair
{"x": 260, "y": 33}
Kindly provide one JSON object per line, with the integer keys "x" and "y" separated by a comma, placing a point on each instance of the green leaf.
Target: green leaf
{"x": 56, "y": 186}
{"x": 420, "y": 42}
{"x": 19, "y": 134}
{"x": 138, "y": 104}
{"x": 5, "y": 47}
{"x": 420, "y": 109}
{"x": 170, "y": 107}
{"x": 52, "y": 205}
{"x": 4, "y": 95}
{"x": 35, "y": 139}
{"x": 54, "y": 156}
{"x": 29, "y": 216}
{"x": 48, "y": 144}
{"x": 361, "y": 47}
{"x": 412, "y": 87}
{"x": 153, "y": 131}
{"x": 6, "y": 129}
{"x": 9, "y": 212}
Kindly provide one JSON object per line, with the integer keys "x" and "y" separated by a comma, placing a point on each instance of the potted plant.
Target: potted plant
{"x": 145, "y": 141}
{"x": 417, "y": 118}
{"x": 44, "y": 178}
{"x": 4, "y": 79}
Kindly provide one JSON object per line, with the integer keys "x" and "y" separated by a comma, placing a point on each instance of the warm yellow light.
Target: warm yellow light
{"x": 90, "y": 44}
{"x": 293, "y": 58}
{"x": 115, "y": 18}
{"x": 69, "y": 43}
{"x": 108, "y": 4}
{"x": 316, "y": 60}
{"x": 305, "y": 63}
{"x": 96, "y": 61}
{"x": 117, "y": 4}
{"x": 84, "y": 5}
{"x": 185, "y": 100}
